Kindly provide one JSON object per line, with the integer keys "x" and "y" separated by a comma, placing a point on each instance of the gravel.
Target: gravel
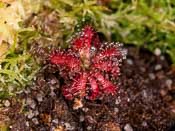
{"x": 116, "y": 110}
{"x": 169, "y": 83}
{"x": 152, "y": 76}
{"x": 39, "y": 97}
{"x": 81, "y": 118}
{"x": 7, "y": 103}
{"x": 30, "y": 114}
{"x": 35, "y": 121}
{"x": 158, "y": 67}
{"x": 128, "y": 127}
{"x": 69, "y": 127}
{"x": 130, "y": 61}
{"x": 55, "y": 121}
{"x": 157, "y": 52}
{"x": 27, "y": 124}
{"x": 117, "y": 101}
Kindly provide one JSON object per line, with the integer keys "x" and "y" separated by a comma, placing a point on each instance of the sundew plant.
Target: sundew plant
{"x": 89, "y": 65}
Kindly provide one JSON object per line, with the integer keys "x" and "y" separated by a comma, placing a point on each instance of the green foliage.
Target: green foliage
{"x": 18, "y": 68}
{"x": 78, "y": 12}
{"x": 148, "y": 23}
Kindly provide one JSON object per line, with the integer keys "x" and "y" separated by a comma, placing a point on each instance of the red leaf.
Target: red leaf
{"x": 93, "y": 88}
{"x": 66, "y": 93}
{"x": 108, "y": 66}
{"x": 108, "y": 87}
{"x": 62, "y": 59}
{"x": 111, "y": 52}
{"x": 78, "y": 87}
{"x": 84, "y": 39}
{"x": 83, "y": 43}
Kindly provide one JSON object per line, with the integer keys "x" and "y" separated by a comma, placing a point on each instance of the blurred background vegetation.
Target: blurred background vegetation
{"x": 144, "y": 23}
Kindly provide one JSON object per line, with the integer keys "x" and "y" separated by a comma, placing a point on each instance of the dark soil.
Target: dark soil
{"x": 145, "y": 101}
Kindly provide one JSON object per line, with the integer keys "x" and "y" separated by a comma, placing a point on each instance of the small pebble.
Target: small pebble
{"x": 55, "y": 121}
{"x": 129, "y": 62}
{"x": 144, "y": 94}
{"x": 35, "y": 121}
{"x": 53, "y": 81}
{"x": 128, "y": 100}
{"x": 152, "y": 76}
{"x": 39, "y": 97}
{"x": 31, "y": 103}
{"x": 128, "y": 127}
{"x": 142, "y": 69}
{"x": 6, "y": 103}
{"x": 158, "y": 67}
{"x": 163, "y": 92}
{"x": 81, "y": 118}
{"x": 144, "y": 123}
{"x": 36, "y": 112}
{"x": 85, "y": 109}
{"x": 162, "y": 58}
{"x": 30, "y": 114}
{"x": 169, "y": 83}
{"x": 172, "y": 107}
{"x": 117, "y": 101}
{"x": 157, "y": 52}
{"x": 52, "y": 94}
{"x": 68, "y": 126}
{"x": 27, "y": 124}
{"x": 116, "y": 110}
{"x": 89, "y": 128}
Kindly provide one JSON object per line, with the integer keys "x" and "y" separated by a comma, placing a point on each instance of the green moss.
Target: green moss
{"x": 18, "y": 68}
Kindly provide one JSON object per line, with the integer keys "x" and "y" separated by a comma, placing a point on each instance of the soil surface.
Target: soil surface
{"x": 145, "y": 101}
